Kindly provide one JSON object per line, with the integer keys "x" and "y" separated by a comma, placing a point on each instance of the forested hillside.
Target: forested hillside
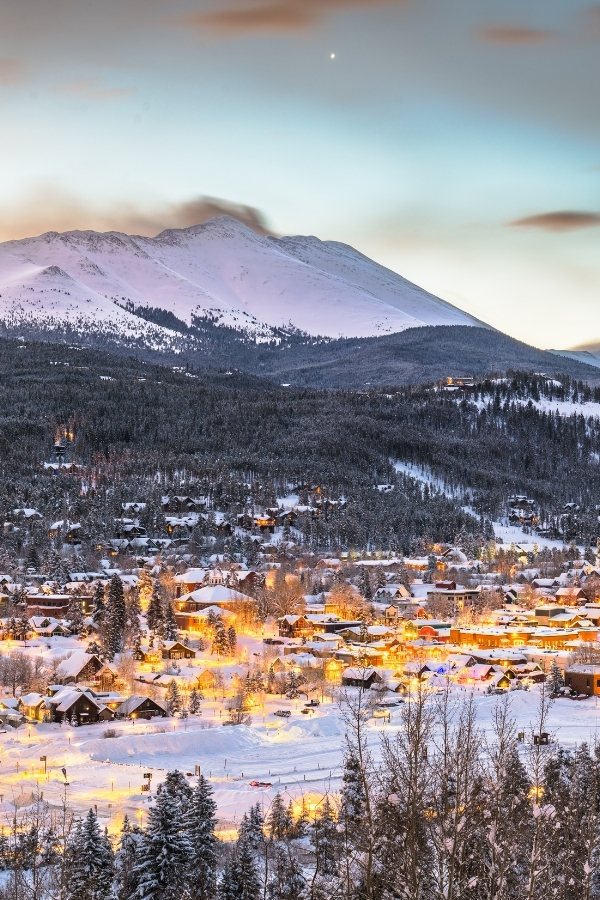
{"x": 140, "y": 429}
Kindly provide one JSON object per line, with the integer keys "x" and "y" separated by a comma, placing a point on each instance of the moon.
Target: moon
{"x": 332, "y": 56}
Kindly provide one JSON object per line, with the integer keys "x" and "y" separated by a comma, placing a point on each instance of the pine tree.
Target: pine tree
{"x": 556, "y": 682}
{"x": 279, "y": 822}
{"x": 252, "y": 827}
{"x": 173, "y": 698}
{"x": 75, "y": 615}
{"x": 99, "y": 603}
{"x": 115, "y": 618}
{"x": 125, "y": 883}
{"x": 221, "y": 642}
{"x": 326, "y": 842}
{"x": 200, "y": 826}
{"x": 352, "y": 794}
{"x": 177, "y": 787}
{"x": 231, "y": 640}
{"x": 133, "y": 630}
{"x": 240, "y": 879}
{"x": 365, "y": 584}
{"x": 144, "y": 589}
{"x": 164, "y": 852}
{"x": 287, "y": 881}
{"x": 170, "y": 623}
{"x": 90, "y": 862}
{"x": 292, "y": 685}
{"x": 194, "y": 704}
{"x": 155, "y": 613}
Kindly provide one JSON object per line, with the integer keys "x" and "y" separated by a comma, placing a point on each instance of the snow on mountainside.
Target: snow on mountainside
{"x": 587, "y": 353}
{"x": 221, "y": 269}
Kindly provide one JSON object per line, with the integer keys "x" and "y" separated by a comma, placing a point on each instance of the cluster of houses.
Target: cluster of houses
{"x": 86, "y": 690}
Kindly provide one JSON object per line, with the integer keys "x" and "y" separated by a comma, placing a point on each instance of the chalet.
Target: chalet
{"x": 206, "y": 679}
{"x": 78, "y": 705}
{"x": 392, "y": 592}
{"x": 295, "y": 626}
{"x": 355, "y": 676}
{"x": 27, "y": 514}
{"x": 87, "y": 668}
{"x": 570, "y": 596}
{"x": 179, "y": 504}
{"x": 35, "y": 707}
{"x": 45, "y": 626}
{"x": 176, "y": 650}
{"x": 133, "y": 508}
{"x": 128, "y": 529}
{"x": 137, "y": 707}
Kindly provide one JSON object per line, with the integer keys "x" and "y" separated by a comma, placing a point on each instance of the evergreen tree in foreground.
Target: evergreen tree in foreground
{"x": 200, "y": 826}
{"x": 164, "y": 852}
{"x": 125, "y": 884}
{"x": 90, "y": 861}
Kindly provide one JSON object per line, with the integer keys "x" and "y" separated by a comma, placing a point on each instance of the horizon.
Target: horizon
{"x": 456, "y": 147}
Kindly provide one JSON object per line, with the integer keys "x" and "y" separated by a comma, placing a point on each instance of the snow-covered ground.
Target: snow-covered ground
{"x": 300, "y": 755}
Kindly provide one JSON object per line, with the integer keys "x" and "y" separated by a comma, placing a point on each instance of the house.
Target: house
{"x": 48, "y": 604}
{"x": 206, "y": 679}
{"x": 86, "y": 667}
{"x": 46, "y": 626}
{"x": 291, "y": 626}
{"x": 218, "y": 595}
{"x": 583, "y": 679}
{"x": 138, "y": 707}
{"x": 80, "y": 705}
{"x": 355, "y": 676}
{"x": 35, "y": 706}
{"x": 176, "y": 650}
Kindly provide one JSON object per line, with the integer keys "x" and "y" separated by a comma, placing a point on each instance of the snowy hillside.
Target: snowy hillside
{"x": 221, "y": 269}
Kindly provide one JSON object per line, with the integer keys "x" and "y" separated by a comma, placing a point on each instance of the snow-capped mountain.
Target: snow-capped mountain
{"x": 221, "y": 269}
{"x": 586, "y": 353}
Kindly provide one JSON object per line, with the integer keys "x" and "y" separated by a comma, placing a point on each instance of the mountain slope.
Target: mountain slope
{"x": 415, "y": 356}
{"x": 222, "y": 269}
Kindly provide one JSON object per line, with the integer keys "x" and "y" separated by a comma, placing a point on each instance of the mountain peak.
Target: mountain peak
{"x": 225, "y": 269}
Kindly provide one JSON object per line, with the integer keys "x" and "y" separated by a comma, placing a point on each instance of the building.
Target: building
{"x": 583, "y": 679}
{"x": 137, "y": 707}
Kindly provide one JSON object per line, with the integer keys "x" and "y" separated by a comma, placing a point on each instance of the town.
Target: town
{"x": 117, "y": 673}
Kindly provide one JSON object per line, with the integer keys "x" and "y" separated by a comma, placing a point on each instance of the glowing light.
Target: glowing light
{"x": 332, "y": 56}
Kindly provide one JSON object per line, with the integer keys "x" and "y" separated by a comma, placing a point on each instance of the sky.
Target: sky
{"x": 455, "y": 142}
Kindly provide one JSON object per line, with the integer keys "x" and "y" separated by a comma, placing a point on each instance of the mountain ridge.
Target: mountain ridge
{"x": 251, "y": 282}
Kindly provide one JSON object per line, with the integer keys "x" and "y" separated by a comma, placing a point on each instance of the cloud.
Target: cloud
{"x": 514, "y": 35}
{"x": 50, "y": 209}
{"x": 12, "y": 71}
{"x": 272, "y": 15}
{"x": 562, "y": 220}
{"x": 91, "y": 89}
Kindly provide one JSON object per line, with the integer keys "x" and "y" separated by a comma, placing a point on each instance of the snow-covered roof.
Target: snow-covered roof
{"x": 217, "y": 593}
{"x": 132, "y": 703}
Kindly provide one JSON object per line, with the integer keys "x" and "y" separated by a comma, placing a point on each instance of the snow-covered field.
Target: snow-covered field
{"x": 300, "y": 755}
